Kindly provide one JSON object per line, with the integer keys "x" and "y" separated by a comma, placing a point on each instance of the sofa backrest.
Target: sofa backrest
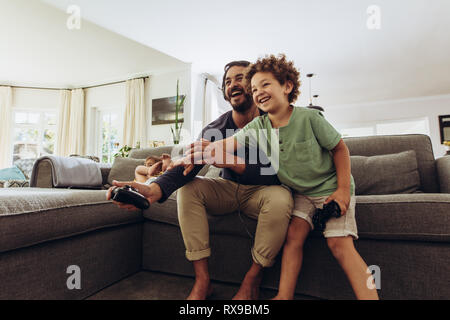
{"x": 380, "y": 145}
{"x": 364, "y": 146}
{"x": 145, "y": 152}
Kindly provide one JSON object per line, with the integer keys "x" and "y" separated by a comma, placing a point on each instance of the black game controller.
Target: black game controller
{"x": 130, "y": 195}
{"x": 321, "y": 216}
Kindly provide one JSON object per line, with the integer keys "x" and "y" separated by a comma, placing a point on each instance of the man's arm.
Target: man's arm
{"x": 174, "y": 179}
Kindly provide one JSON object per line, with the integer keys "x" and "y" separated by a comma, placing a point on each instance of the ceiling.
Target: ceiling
{"x": 38, "y": 50}
{"x": 407, "y": 57}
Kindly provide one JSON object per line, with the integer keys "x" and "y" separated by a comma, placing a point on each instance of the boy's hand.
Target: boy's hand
{"x": 152, "y": 192}
{"x": 342, "y": 198}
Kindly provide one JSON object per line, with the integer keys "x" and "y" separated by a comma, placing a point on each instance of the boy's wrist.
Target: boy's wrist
{"x": 344, "y": 188}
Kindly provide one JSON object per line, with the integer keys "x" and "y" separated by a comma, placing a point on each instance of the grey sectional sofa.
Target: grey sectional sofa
{"x": 403, "y": 217}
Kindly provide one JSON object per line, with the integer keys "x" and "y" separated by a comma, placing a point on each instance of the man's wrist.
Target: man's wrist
{"x": 156, "y": 191}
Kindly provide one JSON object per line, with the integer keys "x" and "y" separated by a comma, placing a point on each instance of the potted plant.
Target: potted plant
{"x": 179, "y": 102}
{"x": 124, "y": 152}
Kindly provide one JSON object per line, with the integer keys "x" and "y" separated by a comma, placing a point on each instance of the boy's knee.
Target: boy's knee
{"x": 339, "y": 246}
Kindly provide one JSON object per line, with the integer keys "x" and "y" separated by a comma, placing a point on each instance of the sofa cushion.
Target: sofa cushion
{"x": 420, "y": 216}
{"x": 123, "y": 169}
{"x": 34, "y": 215}
{"x": 386, "y": 174}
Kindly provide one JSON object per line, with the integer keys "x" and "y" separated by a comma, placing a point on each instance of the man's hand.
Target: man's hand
{"x": 342, "y": 198}
{"x": 152, "y": 192}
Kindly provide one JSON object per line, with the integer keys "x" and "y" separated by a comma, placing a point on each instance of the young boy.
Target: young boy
{"x": 313, "y": 161}
{"x": 153, "y": 168}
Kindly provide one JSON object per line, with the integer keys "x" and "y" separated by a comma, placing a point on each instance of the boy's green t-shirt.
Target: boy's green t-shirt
{"x": 299, "y": 152}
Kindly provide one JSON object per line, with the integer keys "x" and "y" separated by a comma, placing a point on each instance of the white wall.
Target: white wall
{"x": 38, "y": 50}
{"x": 346, "y": 116}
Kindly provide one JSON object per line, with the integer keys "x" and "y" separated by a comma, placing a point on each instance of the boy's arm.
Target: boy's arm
{"x": 341, "y": 157}
{"x": 219, "y": 153}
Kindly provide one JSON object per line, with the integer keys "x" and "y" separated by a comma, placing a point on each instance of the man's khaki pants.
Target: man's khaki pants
{"x": 270, "y": 205}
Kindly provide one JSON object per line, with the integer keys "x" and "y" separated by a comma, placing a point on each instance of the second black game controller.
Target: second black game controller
{"x": 130, "y": 195}
{"x": 321, "y": 216}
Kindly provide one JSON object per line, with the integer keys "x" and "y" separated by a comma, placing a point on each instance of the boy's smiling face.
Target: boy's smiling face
{"x": 268, "y": 94}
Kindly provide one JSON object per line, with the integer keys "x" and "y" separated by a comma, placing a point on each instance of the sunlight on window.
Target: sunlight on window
{"x": 34, "y": 134}
{"x": 419, "y": 126}
{"x": 110, "y": 136}
{"x": 358, "y": 132}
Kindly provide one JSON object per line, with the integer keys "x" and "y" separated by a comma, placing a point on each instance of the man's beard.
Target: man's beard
{"x": 244, "y": 106}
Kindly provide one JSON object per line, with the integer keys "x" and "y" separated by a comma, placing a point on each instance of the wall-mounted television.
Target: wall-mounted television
{"x": 163, "y": 111}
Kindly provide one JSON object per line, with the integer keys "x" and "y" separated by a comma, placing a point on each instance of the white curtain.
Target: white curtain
{"x": 62, "y": 136}
{"x": 71, "y": 123}
{"x": 77, "y": 123}
{"x": 5, "y": 127}
{"x": 135, "y": 117}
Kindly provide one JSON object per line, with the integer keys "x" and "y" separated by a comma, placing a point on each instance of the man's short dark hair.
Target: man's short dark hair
{"x": 240, "y": 63}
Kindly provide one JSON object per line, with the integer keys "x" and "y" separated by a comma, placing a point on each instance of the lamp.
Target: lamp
{"x": 311, "y": 106}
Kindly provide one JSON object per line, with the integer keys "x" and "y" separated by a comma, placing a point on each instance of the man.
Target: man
{"x": 240, "y": 187}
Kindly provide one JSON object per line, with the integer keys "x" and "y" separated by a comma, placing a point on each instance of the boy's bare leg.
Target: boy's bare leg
{"x": 202, "y": 286}
{"x": 291, "y": 261}
{"x": 249, "y": 289}
{"x": 353, "y": 265}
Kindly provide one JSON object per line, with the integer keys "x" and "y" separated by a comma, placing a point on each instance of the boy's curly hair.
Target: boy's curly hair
{"x": 281, "y": 69}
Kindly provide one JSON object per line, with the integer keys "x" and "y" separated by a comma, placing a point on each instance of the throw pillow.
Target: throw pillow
{"x": 123, "y": 169}
{"x": 26, "y": 166}
{"x": 386, "y": 174}
{"x": 16, "y": 184}
{"x": 12, "y": 173}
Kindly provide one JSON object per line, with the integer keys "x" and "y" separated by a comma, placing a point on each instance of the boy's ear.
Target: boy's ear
{"x": 289, "y": 85}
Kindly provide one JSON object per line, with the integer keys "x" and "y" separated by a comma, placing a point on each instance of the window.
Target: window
{"x": 34, "y": 133}
{"x": 358, "y": 132}
{"x": 411, "y": 126}
{"x": 110, "y": 126}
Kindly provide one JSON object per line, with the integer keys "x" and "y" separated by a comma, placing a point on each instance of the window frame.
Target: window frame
{"x": 99, "y": 113}
{"x": 40, "y": 126}
{"x": 374, "y": 124}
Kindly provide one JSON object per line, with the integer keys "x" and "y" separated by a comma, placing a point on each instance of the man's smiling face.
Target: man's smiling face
{"x": 235, "y": 92}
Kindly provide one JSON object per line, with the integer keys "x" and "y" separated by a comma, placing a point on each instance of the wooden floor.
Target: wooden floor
{"x": 146, "y": 285}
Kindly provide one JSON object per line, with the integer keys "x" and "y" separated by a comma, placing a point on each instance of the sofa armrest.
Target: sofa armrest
{"x": 42, "y": 171}
{"x": 443, "y": 170}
